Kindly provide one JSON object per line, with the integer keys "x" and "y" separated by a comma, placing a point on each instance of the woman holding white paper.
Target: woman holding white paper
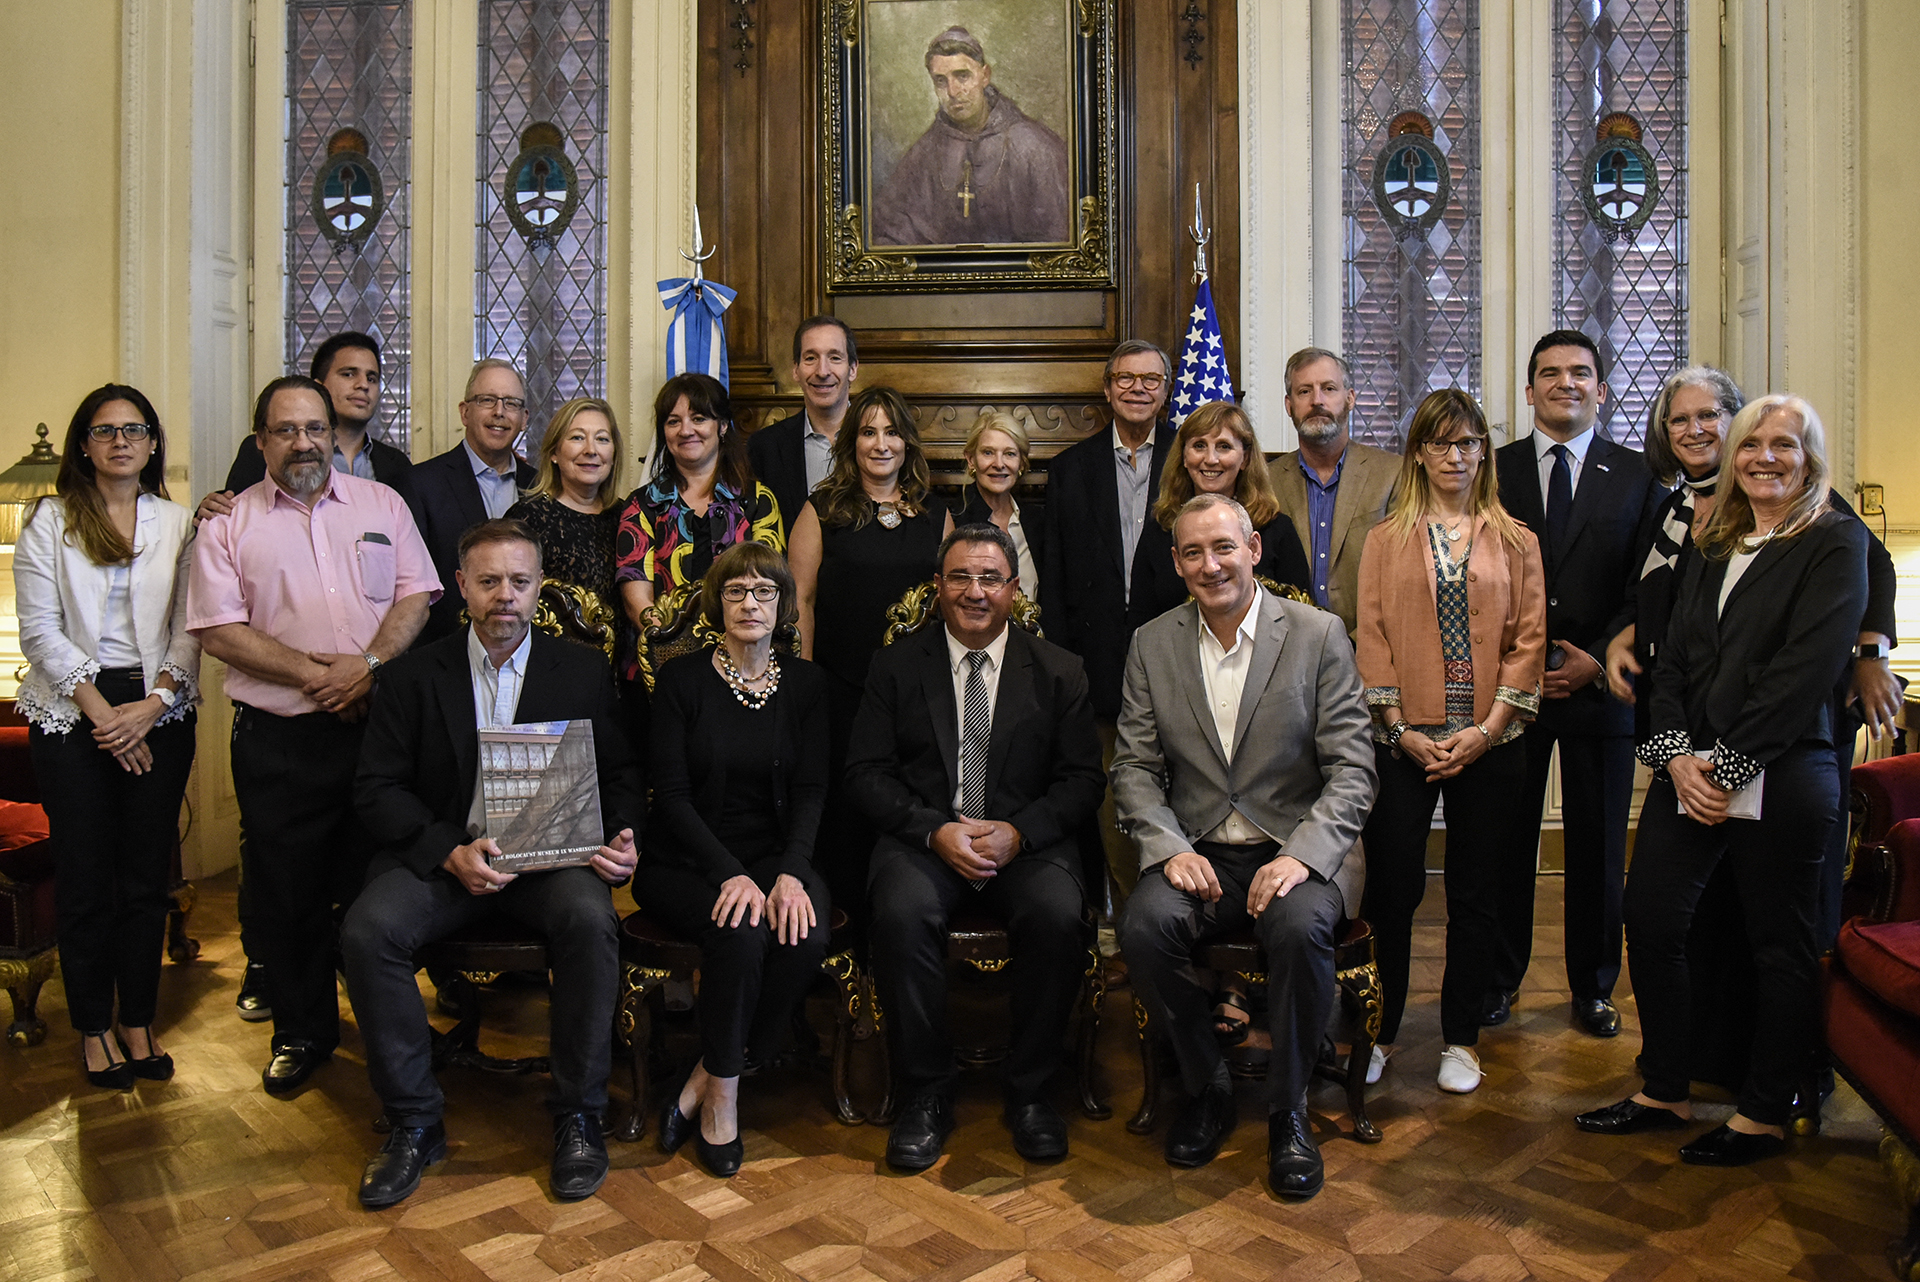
{"x": 1742, "y": 743}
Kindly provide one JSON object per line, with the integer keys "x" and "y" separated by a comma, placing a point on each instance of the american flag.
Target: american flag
{"x": 1202, "y": 375}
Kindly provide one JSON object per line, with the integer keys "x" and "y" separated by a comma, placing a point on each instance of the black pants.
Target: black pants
{"x": 1396, "y": 839}
{"x": 749, "y": 980}
{"x": 398, "y": 913}
{"x": 914, "y": 894}
{"x": 844, "y": 845}
{"x": 113, "y": 835}
{"x": 1596, "y": 790}
{"x": 1159, "y": 928}
{"x": 1775, "y": 861}
{"x": 302, "y": 852}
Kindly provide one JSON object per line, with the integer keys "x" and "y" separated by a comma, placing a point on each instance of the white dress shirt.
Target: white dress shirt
{"x": 496, "y": 700}
{"x": 498, "y": 490}
{"x": 1133, "y": 475}
{"x": 996, "y": 652}
{"x": 1543, "y": 457}
{"x": 1224, "y": 673}
{"x": 1029, "y": 573}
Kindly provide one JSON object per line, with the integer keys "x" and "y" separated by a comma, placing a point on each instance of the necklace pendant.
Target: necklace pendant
{"x": 1453, "y": 536}
{"x": 890, "y": 516}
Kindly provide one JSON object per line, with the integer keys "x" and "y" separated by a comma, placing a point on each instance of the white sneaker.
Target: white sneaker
{"x": 1376, "y": 1063}
{"x": 1459, "y": 1070}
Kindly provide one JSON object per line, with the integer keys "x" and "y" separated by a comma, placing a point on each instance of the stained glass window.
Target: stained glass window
{"x": 350, "y": 72}
{"x": 540, "y": 300}
{"x": 1620, "y": 66}
{"x": 1412, "y": 296}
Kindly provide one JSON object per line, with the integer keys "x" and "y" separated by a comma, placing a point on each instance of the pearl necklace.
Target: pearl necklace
{"x": 742, "y": 688}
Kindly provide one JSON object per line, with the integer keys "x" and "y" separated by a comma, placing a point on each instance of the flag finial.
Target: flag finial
{"x": 697, "y": 257}
{"x": 1201, "y": 235}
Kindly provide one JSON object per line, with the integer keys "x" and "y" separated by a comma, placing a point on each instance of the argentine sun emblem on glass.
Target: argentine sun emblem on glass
{"x": 1410, "y": 179}
{"x": 542, "y": 188}
{"x": 347, "y": 196}
{"x": 1619, "y": 180}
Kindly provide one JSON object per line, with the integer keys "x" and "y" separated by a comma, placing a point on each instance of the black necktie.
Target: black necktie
{"x": 976, "y": 733}
{"x": 1559, "y": 498}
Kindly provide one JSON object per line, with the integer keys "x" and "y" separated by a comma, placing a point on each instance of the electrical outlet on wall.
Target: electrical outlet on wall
{"x": 1873, "y": 499}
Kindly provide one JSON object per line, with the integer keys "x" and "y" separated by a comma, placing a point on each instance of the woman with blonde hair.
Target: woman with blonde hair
{"x": 997, "y": 454}
{"x": 1214, "y": 452}
{"x": 1452, "y": 643}
{"x": 572, "y": 507}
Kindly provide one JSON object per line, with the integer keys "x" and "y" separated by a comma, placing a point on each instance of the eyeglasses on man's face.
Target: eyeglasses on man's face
{"x": 132, "y": 431}
{"x": 1469, "y": 447}
{"x": 738, "y": 592}
{"x": 487, "y": 403}
{"x": 1125, "y": 381}
{"x": 960, "y": 580}
{"x": 289, "y": 431}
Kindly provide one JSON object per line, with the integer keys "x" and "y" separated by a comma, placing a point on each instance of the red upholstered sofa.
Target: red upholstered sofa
{"x": 1873, "y": 977}
{"x": 26, "y": 889}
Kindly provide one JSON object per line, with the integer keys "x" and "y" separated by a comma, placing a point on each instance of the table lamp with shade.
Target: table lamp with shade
{"x": 29, "y": 479}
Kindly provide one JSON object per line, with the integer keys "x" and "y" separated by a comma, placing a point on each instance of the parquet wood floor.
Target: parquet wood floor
{"x": 208, "y": 1178}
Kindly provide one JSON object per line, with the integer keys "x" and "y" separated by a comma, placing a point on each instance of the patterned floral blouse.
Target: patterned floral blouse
{"x": 1456, "y": 651}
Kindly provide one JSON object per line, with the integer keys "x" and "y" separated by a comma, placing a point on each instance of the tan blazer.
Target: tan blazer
{"x": 1399, "y": 634}
{"x": 1366, "y": 486}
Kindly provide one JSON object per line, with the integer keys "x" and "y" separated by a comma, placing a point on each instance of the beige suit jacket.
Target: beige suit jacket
{"x": 1366, "y": 486}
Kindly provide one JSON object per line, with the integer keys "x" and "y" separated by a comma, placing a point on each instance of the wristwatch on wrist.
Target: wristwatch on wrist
{"x": 373, "y": 661}
{"x": 164, "y": 695}
{"x": 1394, "y": 732}
{"x": 1869, "y": 650}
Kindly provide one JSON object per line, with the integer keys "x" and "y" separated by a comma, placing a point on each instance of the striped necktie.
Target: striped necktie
{"x": 976, "y": 732}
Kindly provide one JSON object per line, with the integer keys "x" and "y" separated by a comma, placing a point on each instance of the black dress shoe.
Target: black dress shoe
{"x": 920, "y": 1132}
{"x": 1630, "y": 1117}
{"x": 579, "y": 1156}
{"x": 394, "y": 1172}
{"x": 1724, "y": 1146}
{"x": 1203, "y": 1125}
{"x": 1039, "y": 1132}
{"x": 721, "y": 1160}
{"x": 1498, "y": 1008}
{"x": 290, "y": 1067}
{"x": 1597, "y": 1018}
{"x": 252, "y": 1004}
{"x": 114, "y": 1077}
{"x": 1293, "y": 1159}
{"x": 676, "y": 1128}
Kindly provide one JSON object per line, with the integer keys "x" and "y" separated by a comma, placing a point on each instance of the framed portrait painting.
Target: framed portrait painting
{"x": 968, "y": 144}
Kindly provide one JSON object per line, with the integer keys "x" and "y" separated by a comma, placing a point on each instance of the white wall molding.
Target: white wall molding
{"x": 1277, "y": 137}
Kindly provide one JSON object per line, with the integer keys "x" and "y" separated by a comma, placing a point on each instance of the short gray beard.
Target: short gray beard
{"x": 1314, "y": 432}
{"x": 305, "y": 478}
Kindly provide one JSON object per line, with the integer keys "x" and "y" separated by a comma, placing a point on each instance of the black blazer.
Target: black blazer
{"x": 778, "y": 455}
{"x": 446, "y": 504}
{"x": 391, "y": 467}
{"x": 1043, "y": 766}
{"x": 690, "y": 763}
{"x": 1158, "y": 587}
{"x": 1587, "y": 579}
{"x": 421, "y": 753}
{"x": 971, "y": 509}
{"x": 1760, "y": 675}
{"x": 1083, "y": 584}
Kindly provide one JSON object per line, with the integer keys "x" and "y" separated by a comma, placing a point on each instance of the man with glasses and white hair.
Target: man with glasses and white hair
{"x": 312, "y": 581}
{"x": 477, "y": 480}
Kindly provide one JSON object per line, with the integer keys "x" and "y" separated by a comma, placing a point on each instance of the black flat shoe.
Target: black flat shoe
{"x": 394, "y": 1172}
{"x": 154, "y": 1068}
{"x": 114, "y": 1077}
{"x": 579, "y": 1156}
{"x": 920, "y": 1133}
{"x": 1498, "y": 1008}
{"x": 1196, "y": 1135}
{"x": 252, "y": 1004}
{"x": 1230, "y": 1029}
{"x": 1039, "y": 1132}
{"x": 1629, "y": 1117}
{"x": 1597, "y": 1018}
{"x": 676, "y": 1128}
{"x": 291, "y": 1066}
{"x": 721, "y": 1160}
{"x": 1724, "y": 1146}
{"x": 1293, "y": 1159}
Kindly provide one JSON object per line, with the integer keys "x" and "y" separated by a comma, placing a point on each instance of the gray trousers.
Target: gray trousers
{"x": 398, "y": 913}
{"x": 1159, "y": 929}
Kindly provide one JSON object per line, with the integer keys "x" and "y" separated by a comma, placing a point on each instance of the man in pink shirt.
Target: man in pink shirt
{"x": 312, "y": 581}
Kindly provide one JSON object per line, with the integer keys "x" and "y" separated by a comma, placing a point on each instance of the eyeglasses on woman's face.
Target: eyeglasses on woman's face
{"x": 1469, "y": 447}
{"x": 132, "y": 431}
{"x": 761, "y": 592}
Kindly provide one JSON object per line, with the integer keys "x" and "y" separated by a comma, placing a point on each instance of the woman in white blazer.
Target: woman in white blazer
{"x": 100, "y": 579}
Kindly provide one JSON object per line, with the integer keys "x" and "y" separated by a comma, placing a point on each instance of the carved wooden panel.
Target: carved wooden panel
{"x": 952, "y": 353}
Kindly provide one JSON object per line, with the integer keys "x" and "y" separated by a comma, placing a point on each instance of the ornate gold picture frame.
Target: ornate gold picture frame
{"x": 967, "y": 144}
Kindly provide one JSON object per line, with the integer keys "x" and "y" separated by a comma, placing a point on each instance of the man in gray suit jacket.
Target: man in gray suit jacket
{"x": 1244, "y": 772}
{"x": 1334, "y": 488}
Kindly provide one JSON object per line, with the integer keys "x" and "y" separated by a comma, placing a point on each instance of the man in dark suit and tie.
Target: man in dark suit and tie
{"x": 1245, "y": 771}
{"x": 976, "y": 759}
{"x": 1100, "y": 496}
{"x": 418, "y": 794}
{"x": 795, "y": 454}
{"x": 477, "y": 480}
{"x": 1583, "y": 497}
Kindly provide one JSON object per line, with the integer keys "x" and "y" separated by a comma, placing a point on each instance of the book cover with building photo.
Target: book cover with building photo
{"x": 540, "y": 786}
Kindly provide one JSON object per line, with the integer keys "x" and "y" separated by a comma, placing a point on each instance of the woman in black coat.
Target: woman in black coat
{"x": 739, "y": 738}
{"x": 1742, "y": 740}
{"x": 998, "y": 455}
